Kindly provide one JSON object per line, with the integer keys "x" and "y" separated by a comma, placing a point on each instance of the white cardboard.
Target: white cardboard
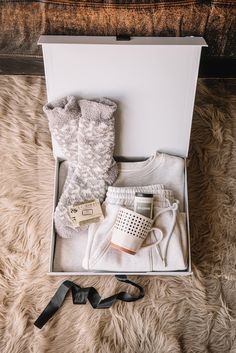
{"x": 152, "y": 79}
{"x": 154, "y": 87}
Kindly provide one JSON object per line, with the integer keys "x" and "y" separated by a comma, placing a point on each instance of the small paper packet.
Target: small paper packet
{"x": 86, "y": 213}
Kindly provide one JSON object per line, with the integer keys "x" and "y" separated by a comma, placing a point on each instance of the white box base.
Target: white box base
{"x": 51, "y": 272}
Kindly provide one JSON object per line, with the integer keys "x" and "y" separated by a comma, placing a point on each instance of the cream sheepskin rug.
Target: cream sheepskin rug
{"x": 195, "y": 314}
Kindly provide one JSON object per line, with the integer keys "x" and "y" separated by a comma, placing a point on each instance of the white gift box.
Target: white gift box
{"x": 152, "y": 79}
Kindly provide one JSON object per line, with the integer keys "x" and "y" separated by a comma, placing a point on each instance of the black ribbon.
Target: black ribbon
{"x": 81, "y": 295}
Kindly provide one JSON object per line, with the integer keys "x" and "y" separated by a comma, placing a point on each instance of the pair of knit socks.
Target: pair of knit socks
{"x": 85, "y": 132}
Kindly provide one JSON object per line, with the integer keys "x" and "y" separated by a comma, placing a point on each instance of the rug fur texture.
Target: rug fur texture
{"x": 195, "y": 314}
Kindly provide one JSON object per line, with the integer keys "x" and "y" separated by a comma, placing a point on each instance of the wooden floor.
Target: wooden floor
{"x": 28, "y": 65}
{"x": 21, "y": 65}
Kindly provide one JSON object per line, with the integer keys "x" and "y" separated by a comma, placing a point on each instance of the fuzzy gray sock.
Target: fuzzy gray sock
{"x": 63, "y": 117}
{"x": 96, "y": 168}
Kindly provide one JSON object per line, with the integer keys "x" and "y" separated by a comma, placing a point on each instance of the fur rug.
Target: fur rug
{"x": 195, "y": 314}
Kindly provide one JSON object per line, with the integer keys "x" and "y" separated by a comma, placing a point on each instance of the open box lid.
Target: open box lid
{"x": 152, "y": 79}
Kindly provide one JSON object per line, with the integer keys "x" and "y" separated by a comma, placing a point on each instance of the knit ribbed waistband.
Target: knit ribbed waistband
{"x": 125, "y": 195}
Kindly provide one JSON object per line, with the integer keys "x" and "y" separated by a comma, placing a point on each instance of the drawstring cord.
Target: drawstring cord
{"x": 173, "y": 208}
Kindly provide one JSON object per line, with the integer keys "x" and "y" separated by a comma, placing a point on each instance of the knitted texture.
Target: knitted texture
{"x": 96, "y": 168}
{"x": 63, "y": 118}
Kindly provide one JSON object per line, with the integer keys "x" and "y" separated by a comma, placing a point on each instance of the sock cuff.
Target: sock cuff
{"x": 97, "y": 110}
{"x": 62, "y": 110}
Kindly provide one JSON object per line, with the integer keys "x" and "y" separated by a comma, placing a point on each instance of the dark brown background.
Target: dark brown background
{"x": 22, "y": 22}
